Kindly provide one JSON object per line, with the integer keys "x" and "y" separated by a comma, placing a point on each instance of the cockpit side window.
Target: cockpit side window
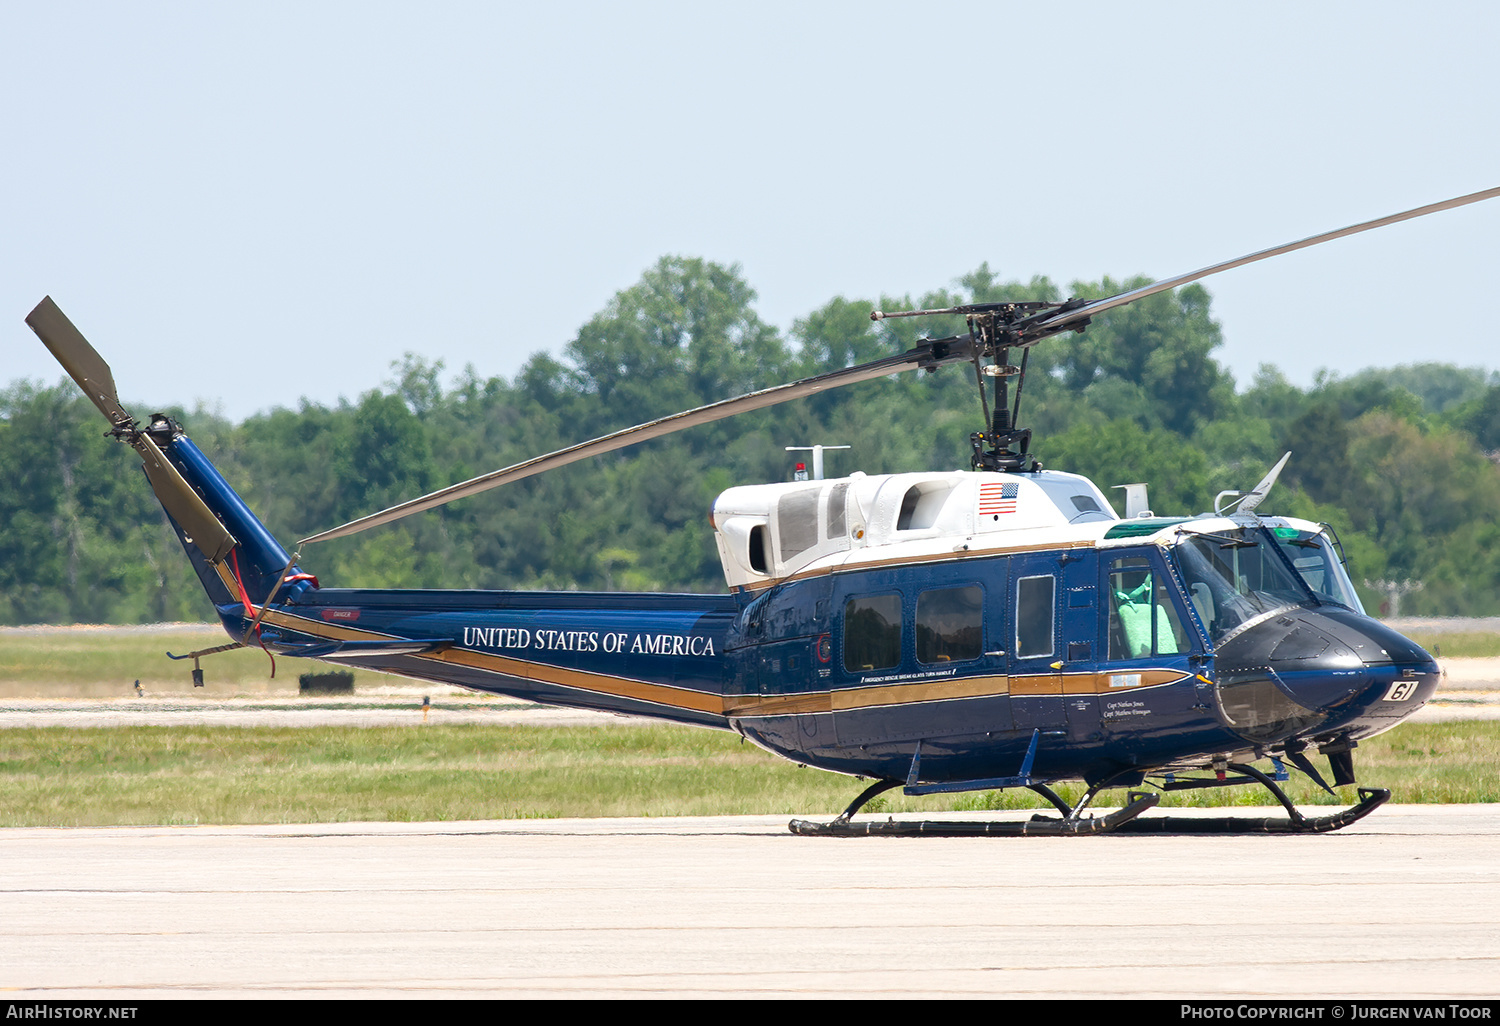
{"x": 1143, "y": 620}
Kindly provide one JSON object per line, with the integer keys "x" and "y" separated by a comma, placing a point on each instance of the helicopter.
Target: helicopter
{"x": 1000, "y": 627}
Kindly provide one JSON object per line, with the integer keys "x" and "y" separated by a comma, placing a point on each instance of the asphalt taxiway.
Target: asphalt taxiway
{"x": 1404, "y": 904}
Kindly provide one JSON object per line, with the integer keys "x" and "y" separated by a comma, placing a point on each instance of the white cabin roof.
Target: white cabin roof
{"x": 769, "y": 532}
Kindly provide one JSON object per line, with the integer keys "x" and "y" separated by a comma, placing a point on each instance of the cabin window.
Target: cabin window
{"x": 1035, "y": 605}
{"x": 872, "y": 632}
{"x": 1143, "y": 621}
{"x": 950, "y": 624}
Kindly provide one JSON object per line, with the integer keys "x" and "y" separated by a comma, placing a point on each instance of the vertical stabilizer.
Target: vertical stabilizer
{"x": 236, "y": 558}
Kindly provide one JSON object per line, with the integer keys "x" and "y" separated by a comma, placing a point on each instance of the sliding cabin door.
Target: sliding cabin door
{"x": 1034, "y": 595}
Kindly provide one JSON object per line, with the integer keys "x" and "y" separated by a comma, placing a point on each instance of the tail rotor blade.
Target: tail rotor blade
{"x": 185, "y": 505}
{"x": 81, "y": 360}
{"x": 85, "y": 366}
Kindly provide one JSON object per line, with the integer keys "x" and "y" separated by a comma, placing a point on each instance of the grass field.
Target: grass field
{"x": 1459, "y": 644}
{"x": 105, "y": 662}
{"x": 165, "y": 775}
{"x": 186, "y": 775}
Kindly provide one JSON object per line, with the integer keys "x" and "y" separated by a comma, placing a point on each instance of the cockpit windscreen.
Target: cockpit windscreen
{"x": 1233, "y": 576}
{"x": 1319, "y": 564}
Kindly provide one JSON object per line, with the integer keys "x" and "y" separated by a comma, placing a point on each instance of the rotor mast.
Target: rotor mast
{"x": 994, "y": 330}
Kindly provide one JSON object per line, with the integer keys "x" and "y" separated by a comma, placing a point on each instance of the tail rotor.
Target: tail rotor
{"x": 85, "y": 366}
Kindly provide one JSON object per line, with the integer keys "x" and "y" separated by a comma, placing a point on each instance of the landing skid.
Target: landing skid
{"x": 1370, "y": 799}
{"x": 1124, "y": 820}
{"x": 1045, "y": 826}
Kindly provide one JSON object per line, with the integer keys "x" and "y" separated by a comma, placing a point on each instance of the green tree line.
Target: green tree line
{"x": 1402, "y": 461}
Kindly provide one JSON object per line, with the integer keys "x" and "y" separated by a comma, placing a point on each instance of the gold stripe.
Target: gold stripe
{"x": 1093, "y": 683}
{"x": 222, "y": 569}
{"x": 623, "y": 687}
{"x": 878, "y": 696}
{"x": 777, "y": 705}
{"x": 873, "y": 696}
{"x": 1149, "y": 679}
{"x": 1037, "y": 684}
{"x": 323, "y": 629}
{"x": 922, "y": 691}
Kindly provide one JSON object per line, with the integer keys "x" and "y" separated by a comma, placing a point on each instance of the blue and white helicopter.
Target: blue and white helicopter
{"x": 939, "y": 632}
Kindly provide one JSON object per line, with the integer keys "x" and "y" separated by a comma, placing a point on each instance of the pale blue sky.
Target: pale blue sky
{"x": 246, "y": 206}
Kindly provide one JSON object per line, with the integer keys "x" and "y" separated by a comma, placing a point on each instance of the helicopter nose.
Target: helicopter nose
{"x": 1401, "y": 675}
{"x": 1305, "y": 667}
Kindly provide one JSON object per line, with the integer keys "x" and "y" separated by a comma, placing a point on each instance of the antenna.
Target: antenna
{"x": 817, "y": 451}
{"x": 1249, "y": 502}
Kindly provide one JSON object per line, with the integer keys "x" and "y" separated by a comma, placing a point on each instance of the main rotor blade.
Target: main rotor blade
{"x": 81, "y": 360}
{"x": 1059, "y": 322}
{"x": 929, "y": 355}
{"x": 932, "y": 354}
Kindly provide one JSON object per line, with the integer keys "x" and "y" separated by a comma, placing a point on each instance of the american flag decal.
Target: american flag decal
{"x": 997, "y": 497}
